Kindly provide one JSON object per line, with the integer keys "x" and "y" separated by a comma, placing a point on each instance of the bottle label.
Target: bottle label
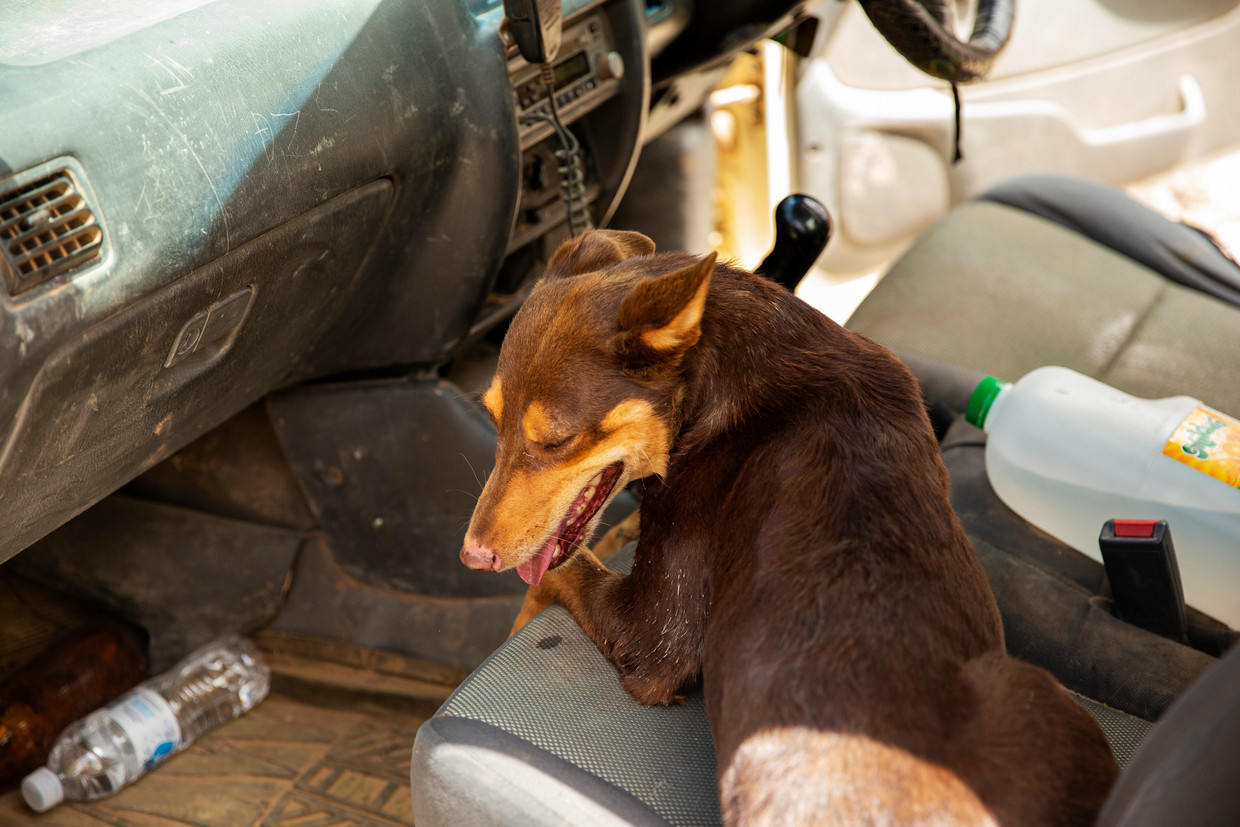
{"x": 1209, "y": 442}
{"x": 150, "y": 724}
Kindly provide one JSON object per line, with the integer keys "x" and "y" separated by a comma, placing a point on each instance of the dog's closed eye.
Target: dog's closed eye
{"x": 545, "y": 429}
{"x": 555, "y": 443}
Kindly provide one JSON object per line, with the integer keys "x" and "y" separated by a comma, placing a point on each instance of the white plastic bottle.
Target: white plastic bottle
{"x": 1067, "y": 453}
{"x": 116, "y": 744}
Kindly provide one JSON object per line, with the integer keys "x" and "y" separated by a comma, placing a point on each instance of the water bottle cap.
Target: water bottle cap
{"x": 42, "y": 790}
{"x": 983, "y": 397}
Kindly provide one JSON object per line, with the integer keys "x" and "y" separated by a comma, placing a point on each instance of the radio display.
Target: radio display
{"x": 571, "y": 69}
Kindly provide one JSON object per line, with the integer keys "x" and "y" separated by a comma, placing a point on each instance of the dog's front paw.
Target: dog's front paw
{"x": 537, "y": 598}
{"x": 652, "y": 690}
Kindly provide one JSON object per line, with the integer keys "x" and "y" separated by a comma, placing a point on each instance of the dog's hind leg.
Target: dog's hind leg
{"x": 1032, "y": 754}
{"x": 799, "y": 775}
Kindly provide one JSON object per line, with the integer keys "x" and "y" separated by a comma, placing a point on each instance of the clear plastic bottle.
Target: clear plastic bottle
{"x": 115, "y": 745}
{"x": 1067, "y": 453}
{"x": 86, "y": 667}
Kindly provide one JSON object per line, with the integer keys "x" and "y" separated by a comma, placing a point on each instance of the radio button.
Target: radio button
{"x": 610, "y": 66}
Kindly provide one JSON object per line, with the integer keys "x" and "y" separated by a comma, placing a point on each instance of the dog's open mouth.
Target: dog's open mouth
{"x": 572, "y": 529}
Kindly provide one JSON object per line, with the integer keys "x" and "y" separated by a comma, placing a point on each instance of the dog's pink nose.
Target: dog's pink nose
{"x": 478, "y": 557}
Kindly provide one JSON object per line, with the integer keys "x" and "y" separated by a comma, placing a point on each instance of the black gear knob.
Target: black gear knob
{"x": 802, "y": 229}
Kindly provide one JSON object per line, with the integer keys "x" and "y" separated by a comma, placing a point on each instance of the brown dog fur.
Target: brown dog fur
{"x": 798, "y": 552}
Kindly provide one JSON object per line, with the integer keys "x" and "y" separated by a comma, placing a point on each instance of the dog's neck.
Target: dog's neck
{"x": 761, "y": 350}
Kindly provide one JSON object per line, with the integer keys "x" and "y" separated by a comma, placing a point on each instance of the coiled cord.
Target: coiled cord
{"x": 571, "y": 163}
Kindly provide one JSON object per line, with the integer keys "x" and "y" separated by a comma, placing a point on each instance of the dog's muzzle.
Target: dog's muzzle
{"x": 478, "y": 557}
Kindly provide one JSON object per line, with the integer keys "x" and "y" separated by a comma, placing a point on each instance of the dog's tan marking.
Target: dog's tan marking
{"x": 529, "y": 506}
{"x": 493, "y": 399}
{"x": 537, "y": 424}
{"x": 798, "y": 775}
{"x": 635, "y": 421}
{"x": 682, "y": 330}
{"x": 628, "y": 412}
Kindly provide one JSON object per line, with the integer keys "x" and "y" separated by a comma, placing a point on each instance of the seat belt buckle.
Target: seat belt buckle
{"x": 1145, "y": 578}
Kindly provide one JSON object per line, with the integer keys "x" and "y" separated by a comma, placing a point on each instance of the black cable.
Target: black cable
{"x": 572, "y": 166}
{"x": 957, "y": 155}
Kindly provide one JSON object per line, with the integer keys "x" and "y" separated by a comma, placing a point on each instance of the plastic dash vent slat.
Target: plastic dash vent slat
{"x": 46, "y": 228}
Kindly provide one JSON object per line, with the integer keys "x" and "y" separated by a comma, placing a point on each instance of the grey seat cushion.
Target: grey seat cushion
{"x": 543, "y": 733}
{"x": 1185, "y": 254}
{"x": 994, "y": 289}
{"x": 1185, "y": 772}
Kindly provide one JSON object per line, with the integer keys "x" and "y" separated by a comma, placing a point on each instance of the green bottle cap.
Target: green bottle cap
{"x": 983, "y": 397}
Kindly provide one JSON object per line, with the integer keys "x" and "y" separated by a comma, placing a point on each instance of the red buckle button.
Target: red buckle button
{"x": 1135, "y": 528}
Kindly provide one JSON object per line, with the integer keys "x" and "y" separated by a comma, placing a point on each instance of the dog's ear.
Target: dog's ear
{"x": 661, "y": 317}
{"x": 597, "y": 250}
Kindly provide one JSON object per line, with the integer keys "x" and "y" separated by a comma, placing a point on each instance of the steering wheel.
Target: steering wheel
{"x": 921, "y": 32}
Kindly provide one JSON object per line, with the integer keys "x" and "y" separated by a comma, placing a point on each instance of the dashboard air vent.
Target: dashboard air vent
{"x": 46, "y": 228}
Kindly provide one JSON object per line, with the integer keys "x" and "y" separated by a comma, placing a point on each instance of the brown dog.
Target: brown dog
{"x": 798, "y": 551}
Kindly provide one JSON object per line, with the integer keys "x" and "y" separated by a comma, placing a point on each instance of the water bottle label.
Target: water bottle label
{"x": 150, "y": 724}
{"x": 1209, "y": 442}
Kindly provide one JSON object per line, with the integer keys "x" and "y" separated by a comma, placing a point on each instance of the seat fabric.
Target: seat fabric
{"x": 1185, "y": 773}
{"x": 994, "y": 289}
{"x": 543, "y": 733}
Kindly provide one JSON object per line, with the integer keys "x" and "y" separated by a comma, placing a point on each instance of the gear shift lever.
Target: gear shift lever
{"x": 802, "y": 229}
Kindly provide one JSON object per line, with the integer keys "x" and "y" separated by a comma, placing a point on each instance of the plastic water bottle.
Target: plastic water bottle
{"x": 115, "y": 745}
{"x": 1067, "y": 453}
{"x": 89, "y": 666}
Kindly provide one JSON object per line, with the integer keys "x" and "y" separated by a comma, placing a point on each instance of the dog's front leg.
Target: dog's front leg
{"x": 650, "y": 624}
{"x": 538, "y": 598}
{"x": 569, "y": 584}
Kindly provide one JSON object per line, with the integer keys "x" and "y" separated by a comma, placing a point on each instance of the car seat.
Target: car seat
{"x": 1056, "y": 270}
{"x": 1049, "y": 270}
{"x": 543, "y": 733}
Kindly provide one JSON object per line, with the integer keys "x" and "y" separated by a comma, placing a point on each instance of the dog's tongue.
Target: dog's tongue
{"x": 532, "y": 570}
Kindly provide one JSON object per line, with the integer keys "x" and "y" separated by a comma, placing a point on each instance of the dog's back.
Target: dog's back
{"x": 853, "y": 637}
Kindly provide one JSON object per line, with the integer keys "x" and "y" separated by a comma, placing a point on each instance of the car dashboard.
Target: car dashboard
{"x": 203, "y": 201}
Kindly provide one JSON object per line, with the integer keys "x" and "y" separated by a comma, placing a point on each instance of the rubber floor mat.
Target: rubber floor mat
{"x": 329, "y": 747}
{"x": 304, "y": 757}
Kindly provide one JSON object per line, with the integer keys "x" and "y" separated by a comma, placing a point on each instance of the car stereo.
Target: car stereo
{"x": 587, "y": 72}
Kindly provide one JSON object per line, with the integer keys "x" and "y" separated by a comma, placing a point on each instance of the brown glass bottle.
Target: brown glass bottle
{"x": 77, "y": 674}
